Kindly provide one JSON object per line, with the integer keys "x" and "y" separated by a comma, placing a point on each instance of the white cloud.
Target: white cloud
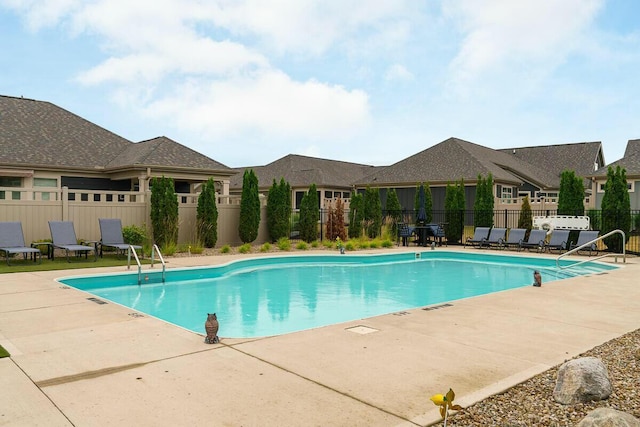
{"x": 518, "y": 34}
{"x": 398, "y": 72}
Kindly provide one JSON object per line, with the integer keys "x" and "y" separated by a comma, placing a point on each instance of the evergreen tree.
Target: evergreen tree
{"x": 356, "y": 215}
{"x": 249, "y": 207}
{"x": 164, "y": 211}
{"x": 207, "y": 215}
{"x": 372, "y": 211}
{"x": 571, "y": 197}
{"x": 484, "y": 204}
{"x": 616, "y": 208}
{"x": 309, "y": 215}
{"x": 454, "y": 205}
{"x": 525, "y": 220}
{"x": 393, "y": 210}
{"x": 279, "y": 210}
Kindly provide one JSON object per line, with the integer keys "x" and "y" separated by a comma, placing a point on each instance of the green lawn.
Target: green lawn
{"x": 18, "y": 264}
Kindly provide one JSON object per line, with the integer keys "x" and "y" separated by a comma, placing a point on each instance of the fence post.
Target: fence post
{"x": 65, "y": 204}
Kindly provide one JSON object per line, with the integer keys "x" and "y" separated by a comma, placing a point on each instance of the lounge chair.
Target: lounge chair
{"x": 12, "y": 242}
{"x": 63, "y": 236}
{"x": 536, "y": 240}
{"x": 479, "y": 235}
{"x": 585, "y": 237}
{"x": 496, "y": 236}
{"x": 514, "y": 238}
{"x": 111, "y": 236}
{"x": 559, "y": 241}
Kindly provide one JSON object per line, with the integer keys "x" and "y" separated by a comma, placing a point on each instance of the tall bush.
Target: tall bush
{"x": 372, "y": 211}
{"x": 335, "y": 222}
{"x": 525, "y": 220}
{"x": 454, "y": 205}
{"x": 571, "y": 197}
{"x": 393, "y": 209}
{"x": 207, "y": 215}
{"x": 483, "y": 205}
{"x": 249, "y": 207}
{"x": 356, "y": 215}
{"x": 616, "y": 208}
{"x": 309, "y": 215}
{"x": 279, "y": 210}
{"x": 164, "y": 212}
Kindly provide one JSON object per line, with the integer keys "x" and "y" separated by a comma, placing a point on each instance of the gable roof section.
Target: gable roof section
{"x": 38, "y": 133}
{"x": 302, "y": 171}
{"x": 163, "y": 151}
{"x": 454, "y": 159}
{"x": 554, "y": 159}
{"x": 633, "y": 147}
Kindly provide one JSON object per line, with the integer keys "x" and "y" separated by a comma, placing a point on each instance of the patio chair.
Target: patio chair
{"x": 559, "y": 241}
{"x": 12, "y": 242}
{"x": 111, "y": 236}
{"x": 514, "y": 238}
{"x": 496, "y": 235}
{"x": 536, "y": 240}
{"x": 479, "y": 235}
{"x": 63, "y": 236}
{"x": 585, "y": 237}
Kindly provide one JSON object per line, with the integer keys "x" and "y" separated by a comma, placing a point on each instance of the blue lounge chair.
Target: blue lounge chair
{"x": 12, "y": 242}
{"x": 536, "y": 240}
{"x": 111, "y": 236}
{"x": 559, "y": 241}
{"x": 496, "y": 236}
{"x": 479, "y": 235}
{"x": 514, "y": 238}
{"x": 585, "y": 237}
{"x": 63, "y": 236}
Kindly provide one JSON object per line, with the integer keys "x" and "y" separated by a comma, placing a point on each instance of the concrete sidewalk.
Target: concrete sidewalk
{"x": 75, "y": 362}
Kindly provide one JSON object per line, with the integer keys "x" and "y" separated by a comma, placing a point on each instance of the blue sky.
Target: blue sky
{"x": 246, "y": 82}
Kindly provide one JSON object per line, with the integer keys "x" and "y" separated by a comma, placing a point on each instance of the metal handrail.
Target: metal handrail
{"x": 129, "y": 251}
{"x": 153, "y": 251}
{"x": 574, "y": 250}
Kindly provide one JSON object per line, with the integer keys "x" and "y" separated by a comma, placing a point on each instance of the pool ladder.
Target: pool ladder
{"x": 154, "y": 249}
{"x": 574, "y": 250}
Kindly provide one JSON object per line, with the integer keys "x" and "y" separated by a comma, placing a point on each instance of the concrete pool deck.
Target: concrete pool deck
{"x": 76, "y": 362}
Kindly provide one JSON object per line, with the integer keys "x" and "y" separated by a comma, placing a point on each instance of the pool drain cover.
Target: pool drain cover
{"x": 97, "y": 301}
{"x": 362, "y": 330}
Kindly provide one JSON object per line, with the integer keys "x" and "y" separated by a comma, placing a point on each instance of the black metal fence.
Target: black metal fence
{"x": 506, "y": 218}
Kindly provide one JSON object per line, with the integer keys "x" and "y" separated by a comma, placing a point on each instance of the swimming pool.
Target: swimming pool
{"x": 277, "y": 295}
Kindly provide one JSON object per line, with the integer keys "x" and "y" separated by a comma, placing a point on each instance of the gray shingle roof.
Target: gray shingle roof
{"x": 301, "y": 171}
{"x": 633, "y": 147}
{"x": 454, "y": 159}
{"x": 554, "y": 159}
{"x": 40, "y": 134}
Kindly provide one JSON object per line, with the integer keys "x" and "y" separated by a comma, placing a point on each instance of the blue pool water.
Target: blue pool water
{"x": 276, "y": 295}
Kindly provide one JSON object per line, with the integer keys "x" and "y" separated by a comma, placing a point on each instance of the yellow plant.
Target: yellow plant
{"x": 445, "y": 402}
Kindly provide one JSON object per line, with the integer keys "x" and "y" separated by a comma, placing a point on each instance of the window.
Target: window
{"x": 346, "y": 194}
{"x": 328, "y": 194}
{"x": 506, "y": 192}
{"x": 337, "y": 194}
{"x": 45, "y": 182}
{"x": 10, "y": 181}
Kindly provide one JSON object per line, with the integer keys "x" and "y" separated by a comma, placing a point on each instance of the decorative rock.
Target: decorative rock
{"x": 607, "y": 417}
{"x": 582, "y": 380}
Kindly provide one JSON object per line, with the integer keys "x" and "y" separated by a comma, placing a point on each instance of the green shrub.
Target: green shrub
{"x": 266, "y": 247}
{"x": 225, "y": 249}
{"x": 329, "y": 244}
{"x": 207, "y": 215}
{"x": 302, "y": 246}
{"x": 134, "y": 235}
{"x": 169, "y": 249}
{"x": 363, "y": 244}
{"x": 284, "y": 244}
{"x": 374, "y": 244}
{"x": 249, "y": 208}
{"x": 315, "y": 244}
{"x": 350, "y": 246}
{"x": 386, "y": 243}
{"x": 245, "y": 249}
{"x": 164, "y": 211}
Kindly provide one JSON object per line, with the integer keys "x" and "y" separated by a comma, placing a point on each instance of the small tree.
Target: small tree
{"x": 164, "y": 211}
{"x": 207, "y": 215}
{"x": 484, "y": 203}
{"x": 454, "y": 205}
{"x": 279, "y": 210}
{"x": 335, "y": 222}
{"x": 356, "y": 215}
{"x": 571, "y": 197}
{"x": 616, "y": 208}
{"x": 525, "y": 220}
{"x": 249, "y": 208}
{"x": 372, "y": 211}
{"x": 393, "y": 210}
{"x": 309, "y": 215}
